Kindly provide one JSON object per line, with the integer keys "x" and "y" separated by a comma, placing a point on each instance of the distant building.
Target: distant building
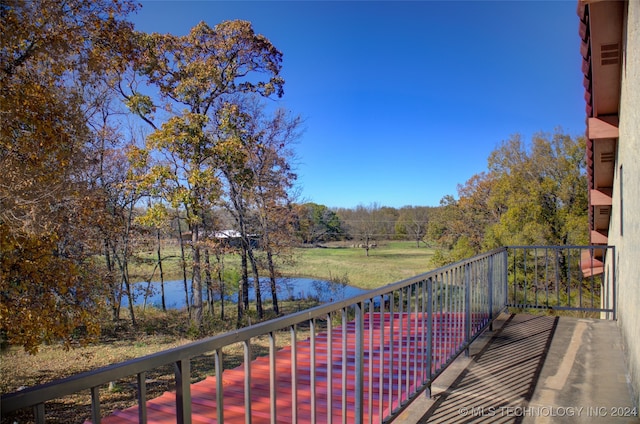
{"x": 234, "y": 238}
{"x": 231, "y": 238}
{"x": 610, "y": 48}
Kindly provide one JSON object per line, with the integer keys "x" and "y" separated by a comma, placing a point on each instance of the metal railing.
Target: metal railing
{"x": 563, "y": 278}
{"x": 378, "y": 351}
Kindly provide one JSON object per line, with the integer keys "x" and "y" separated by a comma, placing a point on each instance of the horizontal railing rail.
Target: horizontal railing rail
{"x": 369, "y": 356}
{"x": 563, "y": 278}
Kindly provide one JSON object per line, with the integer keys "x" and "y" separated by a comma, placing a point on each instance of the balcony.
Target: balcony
{"x": 435, "y": 347}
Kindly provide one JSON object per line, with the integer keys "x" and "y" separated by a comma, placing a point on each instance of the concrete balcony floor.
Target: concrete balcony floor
{"x": 534, "y": 369}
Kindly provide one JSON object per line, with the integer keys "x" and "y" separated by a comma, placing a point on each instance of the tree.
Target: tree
{"x": 386, "y": 218}
{"x": 412, "y": 222}
{"x": 157, "y": 219}
{"x": 50, "y": 53}
{"x": 539, "y": 194}
{"x": 233, "y": 156}
{"x": 316, "y": 223}
{"x": 116, "y": 192}
{"x": 254, "y": 158}
{"x": 273, "y": 178}
{"x": 532, "y": 194}
{"x": 116, "y": 227}
{"x": 477, "y": 209}
{"x": 364, "y": 224}
{"x": 199, "y": 73}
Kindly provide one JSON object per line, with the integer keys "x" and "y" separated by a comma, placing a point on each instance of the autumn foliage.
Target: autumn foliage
{"x": 75, "y": 172}
{"x": 533, "y": 193}
{"x": 51, "y": 55}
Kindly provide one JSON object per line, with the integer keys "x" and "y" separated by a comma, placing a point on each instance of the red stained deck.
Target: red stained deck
{"x": 398, "y": 344}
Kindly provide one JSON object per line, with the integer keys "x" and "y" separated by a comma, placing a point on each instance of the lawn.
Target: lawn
{"x": 387, "y": 263}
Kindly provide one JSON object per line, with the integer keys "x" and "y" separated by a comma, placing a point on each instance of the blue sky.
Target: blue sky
{"x": 403, "y": 101}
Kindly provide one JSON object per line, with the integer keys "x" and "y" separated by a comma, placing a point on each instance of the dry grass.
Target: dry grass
{"x": 156, "y": 331}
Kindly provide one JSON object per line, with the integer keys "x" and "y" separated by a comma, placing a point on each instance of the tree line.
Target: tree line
{"x": 534, "y": 192}
{"x": 364, "y": 225}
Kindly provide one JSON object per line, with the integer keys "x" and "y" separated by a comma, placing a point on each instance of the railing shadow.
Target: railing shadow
{"x": 499, "y": 382}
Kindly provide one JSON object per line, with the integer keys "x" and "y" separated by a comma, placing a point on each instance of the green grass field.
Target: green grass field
{"x": 389, "y": 262}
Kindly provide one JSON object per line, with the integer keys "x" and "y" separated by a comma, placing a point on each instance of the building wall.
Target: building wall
{"x": 624, "y": 229}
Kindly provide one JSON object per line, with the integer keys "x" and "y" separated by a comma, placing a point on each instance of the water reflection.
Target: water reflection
{"x": 288, "y": 289}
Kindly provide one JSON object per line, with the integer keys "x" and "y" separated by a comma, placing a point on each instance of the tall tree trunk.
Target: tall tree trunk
{"x": 256, "y": 280}
{"x": 240, "y": 307}
{"x": 184, "y": 271}
{"x": 243, "y": 288}
{"x": 120, "y": 288}
{"x": 207, "y": 281}
{"x": 220, "y": 275}
{"x": 127, "y": 285}
{"x": 114, "y": 299}
{"x": 196, "y": 281}
{"x": 245, "y": 280}
{"x": 124, "y": 274}
{"x": 125, "y": 263}
{"x": 164, "y": 305}
{"x": 273, "y": 281}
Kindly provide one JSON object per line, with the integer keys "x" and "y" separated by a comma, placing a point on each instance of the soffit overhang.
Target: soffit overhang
{"x": 601, "y": 47}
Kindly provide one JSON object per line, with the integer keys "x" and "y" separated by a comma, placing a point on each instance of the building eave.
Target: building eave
{"x": 600, "y": 30}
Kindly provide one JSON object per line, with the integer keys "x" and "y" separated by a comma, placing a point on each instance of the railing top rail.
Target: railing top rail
{"x": 563, "y": 247}
{"x": 87, "y": 380}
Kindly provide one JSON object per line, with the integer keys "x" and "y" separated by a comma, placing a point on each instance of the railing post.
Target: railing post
{"x": 392, "y": 302}
{"x": 247, "y": 381}
{"x": 38, "y": 412}
{"x": 294, "y": 375}
{"x": 400, "y": 341}
{"x": 381, "y": 359}
{"x": 505, "y": 277}
{"x": 344, "y": 365}
{"x": 273, "y": 388}
{"x": 467, "y": 307}
{"x": 312, "y": 368}
{"x": 490, "y": 288}
{"x": 359, "y": 389}
{"x": 429, "y": 348}
{"x": 370, "y": 370}
{"x": 183, "y": 391}
{"x": 95, "y": 405}
{"x": 329, "y": 368}
{"x": 217, "y": 360}
{"x": 142, "y": 397}
{"x": 416, "y": 324}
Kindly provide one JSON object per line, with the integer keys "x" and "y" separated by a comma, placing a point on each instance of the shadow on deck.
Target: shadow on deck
{"x": 534, "y": 369}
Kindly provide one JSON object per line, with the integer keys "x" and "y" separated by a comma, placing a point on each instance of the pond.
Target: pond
{"x": 288, "y": 289}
